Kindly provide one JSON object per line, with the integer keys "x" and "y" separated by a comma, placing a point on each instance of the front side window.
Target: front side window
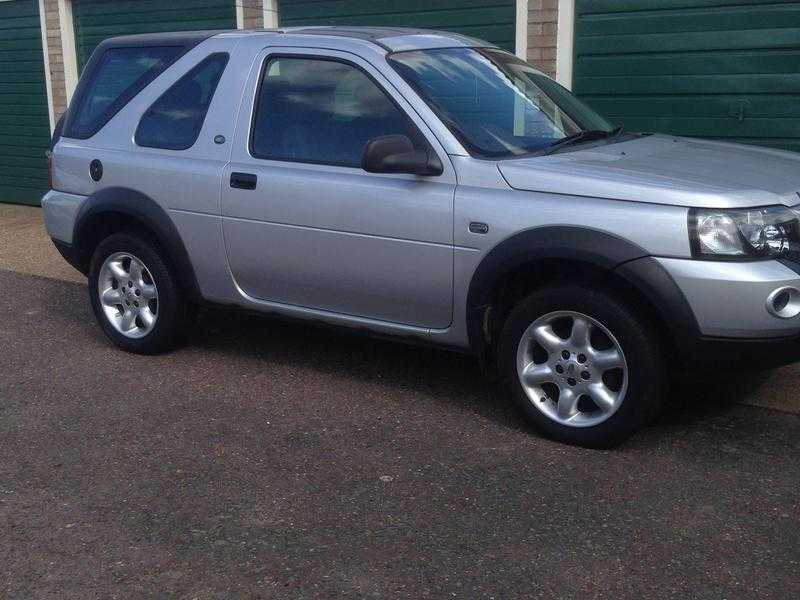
{"x": 497, "y": 105}
{"x": 174, "y": 121}
{"x": 321, "y": 111}
{"x": 119, "y": 76}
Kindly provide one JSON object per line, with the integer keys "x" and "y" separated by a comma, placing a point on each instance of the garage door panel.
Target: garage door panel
{"x": 22, "y": 44}
{"x": 712, "y": 19}
{"x": 712, "y": 69}
{"x": 300, "y": 9}
{"x": 700, "y": 63}
{"x": 101, "y": 23}
{"x": 24, "y": 121}
{"x": 690, "y": 42}
{"x": 689, "y": 84}
{"x": 22, "y": 67}
{"x": 783, "y": 106}
{"x": 96, "y": 20}
{"x": 141, "y": 7}
{"x": 491, "y": 20}
{"x": 616, "y": 6}
{"x": 23, "y": 131}
{"x": 477, "y": 17}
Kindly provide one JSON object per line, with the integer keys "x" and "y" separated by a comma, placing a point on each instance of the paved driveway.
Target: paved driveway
{"x": 274, "y": 460}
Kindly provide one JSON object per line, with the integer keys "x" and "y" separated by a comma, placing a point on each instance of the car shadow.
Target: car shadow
{"x": 450, "y": 377}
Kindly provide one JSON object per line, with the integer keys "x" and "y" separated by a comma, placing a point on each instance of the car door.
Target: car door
{"x": 305, "y": 226}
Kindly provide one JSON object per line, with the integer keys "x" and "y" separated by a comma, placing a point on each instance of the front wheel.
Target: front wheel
{"x": 136, "y": 296}
{"x": 582, "y": 365}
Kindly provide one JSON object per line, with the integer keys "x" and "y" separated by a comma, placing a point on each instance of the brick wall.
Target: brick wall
{"x": 56, "y": 57}
{"x": 252, "y": 13}
{"x": 542, "y": 26}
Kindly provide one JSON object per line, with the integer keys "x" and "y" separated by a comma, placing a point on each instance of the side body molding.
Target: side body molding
{"x": 119, "y": 202}
{"x": 611, "y": 253}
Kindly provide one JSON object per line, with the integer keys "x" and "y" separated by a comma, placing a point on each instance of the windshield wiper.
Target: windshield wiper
{"x": 583, "y": 136}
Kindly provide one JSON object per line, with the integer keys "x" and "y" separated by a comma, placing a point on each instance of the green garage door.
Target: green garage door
{"x": 96, "y": 20}
{"x": 490, "y": 20}
{"x": 24, "y": 121}
{"x": 727, "y": 69}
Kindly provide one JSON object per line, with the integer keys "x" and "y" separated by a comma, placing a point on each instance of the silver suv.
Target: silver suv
{"x": 428, "y": 186}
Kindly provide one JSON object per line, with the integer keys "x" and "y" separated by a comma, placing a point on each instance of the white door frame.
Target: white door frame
{"x": 521, "y": 29}
{"x": 565, "y": 41}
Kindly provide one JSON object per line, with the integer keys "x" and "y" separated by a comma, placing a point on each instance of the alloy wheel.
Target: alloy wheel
{"x": 128, "y": 295}
{"x": 572, "y": 368}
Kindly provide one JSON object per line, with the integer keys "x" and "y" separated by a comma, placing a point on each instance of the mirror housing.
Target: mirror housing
{"x": 396, "y": 154}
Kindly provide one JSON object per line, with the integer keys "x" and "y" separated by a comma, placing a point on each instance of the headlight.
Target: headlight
{"x": 745, "y": 233}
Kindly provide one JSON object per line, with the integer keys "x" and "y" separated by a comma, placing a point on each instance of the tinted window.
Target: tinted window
{"x": 322, "y": 111}
{"x": 119, "y": 76}
{"x": 496, "y": 104}
{"x": 174, "y": 120}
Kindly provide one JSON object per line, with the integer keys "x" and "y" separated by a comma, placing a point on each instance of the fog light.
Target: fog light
{"x": 784, "y": 303}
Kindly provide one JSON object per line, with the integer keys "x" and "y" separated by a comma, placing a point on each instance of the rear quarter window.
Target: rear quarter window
{"x": 174, "y": 121}
{"x": 120, "y": 74}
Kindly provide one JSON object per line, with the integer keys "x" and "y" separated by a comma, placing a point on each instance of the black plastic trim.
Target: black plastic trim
{"x": 653, "y": 281}
{"x": 743, "y": 354}
{"x": 71, "y": 254}
{"x": 128, "y": 202}
{"x": 244, "y": 181}
{"x": 558, "y": 242}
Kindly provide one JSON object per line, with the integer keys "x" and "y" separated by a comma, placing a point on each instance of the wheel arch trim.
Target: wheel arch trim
{"x": 587, "y": 245}
{"x": 145, "y": 210}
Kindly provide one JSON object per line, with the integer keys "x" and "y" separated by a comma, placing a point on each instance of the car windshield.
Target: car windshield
{"x": 497, "y": 105}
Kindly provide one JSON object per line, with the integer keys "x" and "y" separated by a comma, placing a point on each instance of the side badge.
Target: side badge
{"x": 476, "y": 227}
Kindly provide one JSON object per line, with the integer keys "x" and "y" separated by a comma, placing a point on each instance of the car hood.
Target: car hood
{"x": 665, "y": 170}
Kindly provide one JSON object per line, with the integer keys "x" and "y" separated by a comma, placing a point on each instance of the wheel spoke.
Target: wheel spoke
{"x": 136, "y": 271}
{"x": 603, "y": 397}
{"x": 117, "y": 270}
{"x": 147, "y": 317}
{"x": 547, "y": 338}
{"x": 111, "y": 297}
{"x": 535, "y": 374}
{"x": 581, "y": 332}
{"x": 567, "y": 403}
{"x": 148, "y": 291}
{"x": 604, "y": 360}
{"x": 127, "y": 320}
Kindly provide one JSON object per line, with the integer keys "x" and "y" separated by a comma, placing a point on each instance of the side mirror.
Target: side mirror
{"x": 396, "y": 154}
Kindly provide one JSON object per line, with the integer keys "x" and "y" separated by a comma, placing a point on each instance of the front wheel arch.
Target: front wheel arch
{"x": 546, "y": 255}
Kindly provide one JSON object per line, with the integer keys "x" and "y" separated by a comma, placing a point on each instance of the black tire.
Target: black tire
{"x": 639, "y": 341}
{"x": 175, "y": 312}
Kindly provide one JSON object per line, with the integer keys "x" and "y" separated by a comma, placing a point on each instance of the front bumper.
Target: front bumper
{"x": 733, "y": 327}
{"x": 729, "y": 299}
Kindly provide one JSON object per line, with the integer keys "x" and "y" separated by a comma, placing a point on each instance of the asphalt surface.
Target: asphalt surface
{"x": 277, "y": 460}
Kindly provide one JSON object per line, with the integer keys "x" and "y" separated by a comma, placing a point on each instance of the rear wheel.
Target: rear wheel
{"x": 583, "y": 366}
{"x": 135, "y": 295}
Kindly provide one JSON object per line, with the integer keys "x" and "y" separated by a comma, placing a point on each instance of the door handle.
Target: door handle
{"x": 243, "y": 181}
